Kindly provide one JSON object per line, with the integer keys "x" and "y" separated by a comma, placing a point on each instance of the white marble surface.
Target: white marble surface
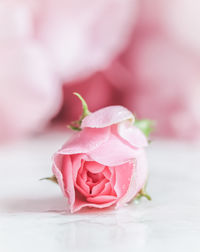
{"x": 33, "y": 216}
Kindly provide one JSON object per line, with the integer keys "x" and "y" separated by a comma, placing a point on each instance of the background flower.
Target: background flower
{"x": 141, "y": 54}
{"x": 46, "y": 43}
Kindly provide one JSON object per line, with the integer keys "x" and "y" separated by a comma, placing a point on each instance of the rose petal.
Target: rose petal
{"x": 57, "y": 162}
{"x": 101, "y": 199}
{"x": 113, "y": 152}
{"x": 107, "y": 116}
{"x": 138, "y": 179}
{"x": 112, "y": 179}
{"x": 81, "y": 203}
{"x": 84, "y": 175}
{"x": 123, "y": 175}
{"x": 132, "y": 135}
{"x": 77, "y": 164}
{"x": 96, "y": 177}
{"x": 107, "y": 173}
{"x": 98, "y": 188}
{"x": 94, "y": 167}
{"x": 86, "y": 140}
{"x": 107, "y": 190}
{"x": 64, "y": 176}
{"x": 82, "y": 186}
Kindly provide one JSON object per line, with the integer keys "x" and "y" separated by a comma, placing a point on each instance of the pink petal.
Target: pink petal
{"x": 101, "y": 199}
{"x": 86, "y": 140}
{"x": 64, "y": 176}
{"x": 77, "y": 164}
{"x": 94, "y": 167}
{"x": 57, "y": 162}
{"x": 96, "y": 177}
{"x": 123, "y": 177}
{"x": 82, "y": 186}
{"x": 79, "y": 175}
{"x": 138, "y": 179}
{"x": 113, "y": 152}
{"x": 107, "y": 116}
{"x": 82, "y": 203}
{"x": 84, "y": 175}
{"x": 107, "y": 190}
{"x": 132, "y": 135}
{"x": 107, "y": 173}
{"x": 99, "y": 187}
{"x": 112, "y": 179}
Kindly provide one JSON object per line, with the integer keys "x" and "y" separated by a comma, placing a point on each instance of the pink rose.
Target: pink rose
{"x": 104, "y": 164}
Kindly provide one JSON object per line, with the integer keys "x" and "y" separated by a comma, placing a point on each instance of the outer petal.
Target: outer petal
{"x": 113, "y": 152}
{"x": 85, "y": 141}
{"x": 62, "y": 169}
{"x": 123, "y": 174}
{"x": 132, "y": 134}
{"x": 107, "y": 116}
{"x": 138, "y": 179}
{"x": 56, "y": 168}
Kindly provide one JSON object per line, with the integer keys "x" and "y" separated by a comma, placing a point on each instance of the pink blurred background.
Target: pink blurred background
{"x": 143, "y": 54}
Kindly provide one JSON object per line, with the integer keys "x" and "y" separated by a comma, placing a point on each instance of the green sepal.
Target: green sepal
{"x": 52, "y": 179}
{"x": 74, "y": 128}
{"x": 76, "y": 125}
{"x": 146, "y": 126}
{"x": 143, "y": 193}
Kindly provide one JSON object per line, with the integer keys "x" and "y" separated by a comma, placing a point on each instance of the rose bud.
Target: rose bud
{"x": 103, "y": 164}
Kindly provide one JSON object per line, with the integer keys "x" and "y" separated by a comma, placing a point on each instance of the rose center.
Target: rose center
{"x": 94, "y": 177}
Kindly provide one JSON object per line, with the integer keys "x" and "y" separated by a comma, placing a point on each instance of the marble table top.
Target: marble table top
{"x": 33, "y": 214}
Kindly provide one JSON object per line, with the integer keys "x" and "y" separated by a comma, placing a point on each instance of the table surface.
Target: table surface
{"x": 33, "y": 214}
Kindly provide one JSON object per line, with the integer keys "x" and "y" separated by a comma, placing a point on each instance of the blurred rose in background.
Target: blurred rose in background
{"x": 142, "y": 54}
